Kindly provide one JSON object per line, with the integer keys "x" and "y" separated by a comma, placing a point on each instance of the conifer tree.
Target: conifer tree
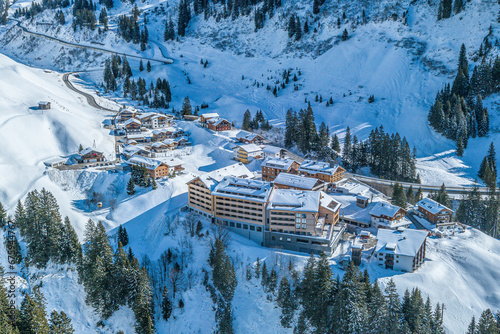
{"x": 345, "y": 35}
{"x": 487, "y": 323}
{"x": 33, "y": 317}
{"x": 247, "y": 118}
{"x": 166, "y": 305}
{"x": 130, "y": 187}
{"x": 257, "y": 268}
{"x": 398, "y": 195}
{"x": 122, "y": 235}
{"x": 141, "y": 66}
{"x": 286, "y": 302}
{"x": 60, "y": 323}
{"x": 186, "y": 107}
{"x": 3, "y": 216}
{"x": 148, "y": 66}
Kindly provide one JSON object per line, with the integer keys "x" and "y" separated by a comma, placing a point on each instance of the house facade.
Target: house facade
{"x": 434, "y": 212}
{"x": 205, "y": 117}
{"x": 89, "y": 155}
{"x": 401, "y": 249}
{"x": 219, "y": 124}
{"x": 155, "y": 168}
{"x": 386, "y": 215}
{"x": 247, "y": 153}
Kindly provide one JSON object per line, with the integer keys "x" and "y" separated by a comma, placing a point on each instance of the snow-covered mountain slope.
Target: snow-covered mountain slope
{"x": 402, "y": 64}
{"x": 459, "y": 271}
{"x": 29, "y": 136}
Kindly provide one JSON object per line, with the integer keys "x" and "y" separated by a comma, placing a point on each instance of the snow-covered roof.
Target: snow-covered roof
{"x": 432, "y": 206}
{"x": 384, "y": 209}
{"x": 243, "y": 188}
{"x": 133, "y": 149}
{"x": 174, "y": 162}
{"x": 271, "y": 149}
{"x": 132, "y": 120}
{"x": 146, "y": 162}
{"x": 135, "y": 136}
{"x": 296, "y": 181}
{"x": 216, "y": 121}
{"x": 277, "y": 163}
{"x": 146, "y": 115}
{"x": 43, "y": 102}
{"x": 55, "y": 160}
{"x": 250, "y": 148}
{"x": 209, "y": 115}
{"x": 313, "y": 167}
{"x": 329, "y": 202}
{"x": 400, "y": 242}
{"x": 213, "y": 178}
{"x": 89, "y": 150}
{"x": 294, "y": 200}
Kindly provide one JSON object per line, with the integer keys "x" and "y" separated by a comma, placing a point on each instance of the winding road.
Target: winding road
{"x": 166, "y": 61}
{"x": 90, "y": 99}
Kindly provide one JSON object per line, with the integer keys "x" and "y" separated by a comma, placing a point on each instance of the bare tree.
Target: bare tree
{"x": 221, "y": 233}
{"x": 176, "y": 276}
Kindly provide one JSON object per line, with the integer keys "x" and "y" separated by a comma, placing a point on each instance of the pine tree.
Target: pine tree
{"x": 265, "y": 276}
{"x": 141, "y": 66}
{"x": 487, "y": 323}
{"x": 60, "y": 323}
{"x": 122, "y": 235}
{"x": 257, "y": 268}
{"x": 130, "y": 187}
{"x": 398, "y": 195}
{"x": 472, "y": 326}
{"x": 166, "y": 305}
{"x": 247, "y": 117}
{"x": 153, "y": 184}
{"x": 33, "y": 317}
{"x": 3, "y": 216}
{"x": 286, "y": 302}
{"x": 186, "y": 107}
{"x": 224, "y": 275}
{"x": 345, "y": 35}
{"x": 410, "y": 195}
{"x": 148, "y": 66}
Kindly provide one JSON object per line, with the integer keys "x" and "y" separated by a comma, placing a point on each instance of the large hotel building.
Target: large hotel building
{"x": 298, "y": 220}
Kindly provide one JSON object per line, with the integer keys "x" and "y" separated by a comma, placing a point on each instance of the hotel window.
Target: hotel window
{"x": 252, "y": 228}
{"x": 288, "y": 240}
{"x": 304, "y": 221}
{"x": 304, "y": 226}
{"x": 297, "y": 220}
{"x": 245, "y": 226}
{"x": 231, "y": 224}
{"x": 297, "y": 215}
{"x": 303, "y": 215}
{"x": 259, "y": 229}
{"x": 297, "y": 225}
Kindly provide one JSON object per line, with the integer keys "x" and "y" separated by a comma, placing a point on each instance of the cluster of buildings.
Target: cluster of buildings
{"x": 150, "y": 141}
{"x": 297, "y": 220}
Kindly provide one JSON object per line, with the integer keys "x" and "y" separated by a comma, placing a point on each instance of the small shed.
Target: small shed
{"x": 43, "y": 105}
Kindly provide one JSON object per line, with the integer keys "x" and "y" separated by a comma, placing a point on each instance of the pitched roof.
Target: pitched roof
{"x": 132, "y": 120}
{"x": 217, "y": 121}
{"x": 146, "y": 162}
{"x": 314, "y": 167}
{"x": 401, "y": 242}
{"x": 297, "y": 181}
{"x": 89, "y": 150}
{"x": 271, "y": 149}
{"x": 251, "y": 148}
{"x": 432, "y": 206}
{"x": 384, "y": 209}
{"x": 247, "y": 135}
{"x": 209, "y": 115}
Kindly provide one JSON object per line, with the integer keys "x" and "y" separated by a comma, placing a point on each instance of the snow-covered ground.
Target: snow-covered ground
{"x": 402, "y": 65}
